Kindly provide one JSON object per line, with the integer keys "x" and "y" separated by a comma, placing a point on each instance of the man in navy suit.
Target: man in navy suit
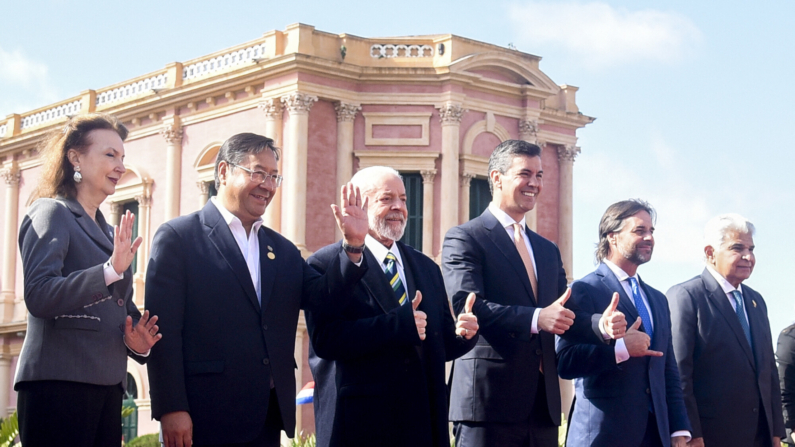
{"x": 228, "y": 291}
{"x": 723, "y": 344}
{"x": 380, "y": 359}
{"x": 627, "y": 391}
{"x": 505, "y": 391}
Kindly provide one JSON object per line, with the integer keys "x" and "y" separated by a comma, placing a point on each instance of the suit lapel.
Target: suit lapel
{"x": 377, "y": 284}
{"x": 500, "y": 238}
{"x": 268, "y": 267}
{"x": 625, "y": 303}
{"x": 544, "y": 278}
{"x": 89, "y": 226}
{"x": 659, "y": 343}
{"x": 221, "y": 236}
{"x": 718, "y": 298}
{"x": 756, "y": 323}
{"x": 408, "y": 271}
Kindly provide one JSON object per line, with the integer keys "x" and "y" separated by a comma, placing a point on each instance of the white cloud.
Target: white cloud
{"x": 24, "y": 83}
{"x": 600, "y": 35}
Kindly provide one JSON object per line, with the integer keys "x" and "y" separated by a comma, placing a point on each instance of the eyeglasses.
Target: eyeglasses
{"x": 261, "y": 176}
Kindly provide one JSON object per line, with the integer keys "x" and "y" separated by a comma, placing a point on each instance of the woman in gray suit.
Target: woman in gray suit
{"x": 78, "y": 290}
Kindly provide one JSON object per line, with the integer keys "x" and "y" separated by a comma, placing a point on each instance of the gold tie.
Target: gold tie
{"x": 518, "y": 240}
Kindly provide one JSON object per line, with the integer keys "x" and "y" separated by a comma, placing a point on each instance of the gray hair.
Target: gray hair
{"x": 235, "y": 149}
{"x": 366, "y": 178}
{"x": 502, "y": 157}
{"x": 716, "y": 230}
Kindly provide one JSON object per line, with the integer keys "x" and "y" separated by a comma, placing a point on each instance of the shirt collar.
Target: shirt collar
{"x": 503, "y": 217}
{"x": 231, "y": 219}
{"x": 380, "y": 251}
{"x": 725, "y": 285}
{"x": 621, "y": 275}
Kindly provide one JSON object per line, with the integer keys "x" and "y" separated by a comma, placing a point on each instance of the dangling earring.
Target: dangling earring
{"x": 78, "y": 177}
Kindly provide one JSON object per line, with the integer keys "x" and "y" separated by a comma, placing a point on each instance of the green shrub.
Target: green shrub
{"x": 150, "y": 440}
{"x": 303, "y": 440}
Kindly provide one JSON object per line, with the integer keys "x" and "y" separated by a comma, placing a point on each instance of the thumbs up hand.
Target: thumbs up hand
{"x": 420, "y": 318}
{"x": 467, "y": 324}
{"x": 555, "y": 318}
{"x": 638, "y": 342}
{"x": 613, "y": 321}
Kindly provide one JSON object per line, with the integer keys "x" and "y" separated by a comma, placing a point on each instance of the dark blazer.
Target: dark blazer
{"x": 785, "y": 353}
{"x": 221, "y": 350}
{"x": 723, "y": 379}
{"x": 612, "y": 401}
{"x": 75, "y": 327}
{"x": 388, "y": 385}
{"x": 496, "y": 381}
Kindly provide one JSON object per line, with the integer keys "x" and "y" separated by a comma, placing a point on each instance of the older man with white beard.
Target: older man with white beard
{"x": 378, "y": 361}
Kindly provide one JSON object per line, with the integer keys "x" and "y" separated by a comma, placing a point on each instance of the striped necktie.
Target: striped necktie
{"x": 394, "y": 278}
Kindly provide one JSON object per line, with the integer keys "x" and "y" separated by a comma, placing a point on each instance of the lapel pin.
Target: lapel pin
{"x": 754, "y": 301}
{"x": 271, "y": 255}
{"x": 270, "y": 248}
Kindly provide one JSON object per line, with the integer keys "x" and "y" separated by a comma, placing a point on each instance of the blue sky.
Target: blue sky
{"x": 693, "y": 101}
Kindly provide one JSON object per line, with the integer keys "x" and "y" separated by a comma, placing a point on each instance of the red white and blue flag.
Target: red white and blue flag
{"x": 305, "y": 395}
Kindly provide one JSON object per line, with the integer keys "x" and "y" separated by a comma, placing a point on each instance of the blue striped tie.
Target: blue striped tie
{"x": 738, "y": 299}
{"x": 394, "y": 278}
{"x": 643, "y": 313}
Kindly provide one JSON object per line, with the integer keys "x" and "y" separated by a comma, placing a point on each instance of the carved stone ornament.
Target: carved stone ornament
{"x": 204, "y": 187}
{"x": 451, "y": 113}
{"x": 143, "y": 200}
{"x": 427, "y": 176}
{"x": 528, "y": 130}
{"x": 297, "y": 102}
{"x": 346, "y": 112}
{"x": 568, "y": 152}
{"x": 466, "y": 179}
{"x": 11, "y": 176}
{"x": 172, "y": 134}
{"x": 272, "y": 108}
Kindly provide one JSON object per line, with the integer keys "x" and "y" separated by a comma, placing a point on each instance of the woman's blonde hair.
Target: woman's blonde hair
{"x": 57, "y": 172}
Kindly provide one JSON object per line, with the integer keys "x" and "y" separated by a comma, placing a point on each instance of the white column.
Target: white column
{"x": 427, "y": 211}
{"x": 450, "y": 115}
{"x": 204, "y": 193}
{"x": 11, "y": 175}
{"x": 272, "y": 107}
{"x": 528, "y": 131}
{"x": 142, "y": 256}
{"x": 346, "y": 114}
{"x": 295, "y": 158}
{"x": 6, "y": 380}
{"x": 463, "y": 197}
{"x": 172, "y": 133}
{"x": 566, "y": 156}
{"x": 299, "y": 372}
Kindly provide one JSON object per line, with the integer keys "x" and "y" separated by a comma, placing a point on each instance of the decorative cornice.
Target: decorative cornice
{"x": 272, "y": 108}
{"x": 568, "y": 152}
{"x": 528, "y": 130}
{"x": 346, "y": 112}
{"x": 465, "y": 179}
{"x": 144, "y": 199}
{"x": 172, "y": 134}
{"x": 298, "y": 102}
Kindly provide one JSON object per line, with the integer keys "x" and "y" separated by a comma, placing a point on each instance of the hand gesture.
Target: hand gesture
{"x": 420, "y": 319}
{"x": 177, "y": 429}
{"x": 555, "y": 318}
{"x": 638, "y": 342}
{"x": 351, "y": 215}
{"x": 467, "y": 324}
{"x": 144, "y": 335}
{"x": 123, "y": 247}
{"x": 696, "y": 442}
{"x": 679, "y": 441}
{"x": 613, "y": 321}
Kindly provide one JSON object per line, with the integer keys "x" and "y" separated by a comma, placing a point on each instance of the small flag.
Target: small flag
{"x": 305, "y": 395}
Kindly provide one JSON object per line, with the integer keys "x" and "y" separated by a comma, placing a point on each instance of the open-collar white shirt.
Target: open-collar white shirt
{"x": 248, "y": 243}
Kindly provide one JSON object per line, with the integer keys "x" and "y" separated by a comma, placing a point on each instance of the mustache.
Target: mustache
{"x": 395, "y": 215}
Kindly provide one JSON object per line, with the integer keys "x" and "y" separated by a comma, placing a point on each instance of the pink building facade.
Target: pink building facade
{"x": 433, "y": 107}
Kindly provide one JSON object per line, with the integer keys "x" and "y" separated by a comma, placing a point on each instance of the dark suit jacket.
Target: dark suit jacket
{"x": 723, "y": 380}
{"x": 221, "y": 349}
{"x": 390, "y": 386}
{"x": 785, "y": 353}
{"x": 612, "y": 401}
{"x": 496, "y": 381}
{"x": 75, "y": 327}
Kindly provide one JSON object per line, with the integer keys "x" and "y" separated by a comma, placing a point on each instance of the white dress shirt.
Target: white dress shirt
{"x": 248, "y": 243}
{"x": 727, "y": 289}
{"x": 507, "y": 222}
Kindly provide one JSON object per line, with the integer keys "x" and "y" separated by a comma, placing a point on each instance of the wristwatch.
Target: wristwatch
{"x": 352, "y": 248}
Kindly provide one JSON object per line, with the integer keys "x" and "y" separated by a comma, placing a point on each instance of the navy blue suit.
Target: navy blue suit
{"x": 221, "y": 349}
{"x": 374, "y": 378}
{"x": 612, "y": 401}
{"x": 496, "y": 383}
